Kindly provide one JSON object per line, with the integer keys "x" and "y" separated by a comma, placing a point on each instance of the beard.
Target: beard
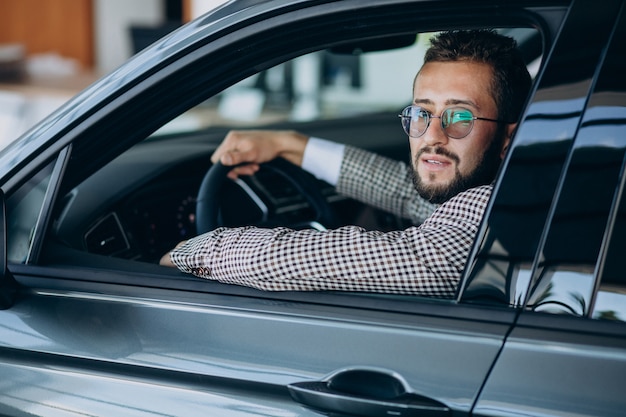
{"x": 484, "y": 173}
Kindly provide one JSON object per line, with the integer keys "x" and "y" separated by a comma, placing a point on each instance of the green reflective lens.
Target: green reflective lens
{"x": 452, "y": 116}
{"x": 457, "y": 122}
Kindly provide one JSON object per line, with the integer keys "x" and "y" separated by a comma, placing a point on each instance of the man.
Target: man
{"x": 467, "y": 98}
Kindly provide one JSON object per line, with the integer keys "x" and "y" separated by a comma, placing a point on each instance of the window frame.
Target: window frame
{"x": 108, "y": 120}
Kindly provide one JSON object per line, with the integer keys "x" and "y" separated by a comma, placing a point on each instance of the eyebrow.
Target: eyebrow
{"x": 449, "y": 102}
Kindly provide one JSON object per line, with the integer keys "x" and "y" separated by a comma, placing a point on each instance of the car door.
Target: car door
{"x": 88, "y": 334}
{"x": 567, "y": 351}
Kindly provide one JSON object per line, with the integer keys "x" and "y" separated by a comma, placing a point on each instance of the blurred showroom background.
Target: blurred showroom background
{"x": 52, "y": 49}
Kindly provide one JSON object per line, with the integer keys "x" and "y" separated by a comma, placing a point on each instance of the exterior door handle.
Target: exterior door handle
{"x": 367, "y": 392}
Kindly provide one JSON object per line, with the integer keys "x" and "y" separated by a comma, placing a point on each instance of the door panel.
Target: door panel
{"x": 557, "y": 372}
{"x": 139, "y": 336}
{"x": 65, "y": 390}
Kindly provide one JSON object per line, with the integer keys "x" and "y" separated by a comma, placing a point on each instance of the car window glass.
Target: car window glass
{"x": 584, "y": 218}
{"x": 610, "y": 299}
{"x": 524, "y": 197}
{"x": 23, "y": 210}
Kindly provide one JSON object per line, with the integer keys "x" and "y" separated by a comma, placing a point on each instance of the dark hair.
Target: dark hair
{"x": 511, "y": 81}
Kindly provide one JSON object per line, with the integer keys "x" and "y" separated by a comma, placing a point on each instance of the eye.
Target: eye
{"x": 459, "y": 116}
{"x": 421, "y": 113}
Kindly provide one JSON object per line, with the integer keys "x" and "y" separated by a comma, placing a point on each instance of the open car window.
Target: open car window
{"x": 329, "y": 84}
{"x": 142, "y": 203}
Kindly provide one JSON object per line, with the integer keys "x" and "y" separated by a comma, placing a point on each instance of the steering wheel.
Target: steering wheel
{"x": 207, "y": 204}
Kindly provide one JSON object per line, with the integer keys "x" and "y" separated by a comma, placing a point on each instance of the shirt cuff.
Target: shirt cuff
{"x": 322, "y": 158}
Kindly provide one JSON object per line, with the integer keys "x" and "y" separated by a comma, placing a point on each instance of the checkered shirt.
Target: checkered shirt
{"x": 425, "y": 260}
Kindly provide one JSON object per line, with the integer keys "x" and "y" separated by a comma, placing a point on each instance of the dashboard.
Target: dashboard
{"x": 142, "y": 204}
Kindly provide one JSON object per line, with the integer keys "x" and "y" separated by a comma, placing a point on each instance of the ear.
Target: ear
{"x": 508, "y": 133}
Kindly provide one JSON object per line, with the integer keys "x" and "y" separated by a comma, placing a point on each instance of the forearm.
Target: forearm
{"x": 426, "y": 260}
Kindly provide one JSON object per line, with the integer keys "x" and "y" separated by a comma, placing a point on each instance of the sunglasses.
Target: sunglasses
{"x": 456, "y": 122}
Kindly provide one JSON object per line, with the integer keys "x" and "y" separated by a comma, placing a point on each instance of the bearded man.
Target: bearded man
{"x": 467, "y": 99}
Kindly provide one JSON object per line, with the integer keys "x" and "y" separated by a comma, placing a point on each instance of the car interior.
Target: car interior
{"x": 142, "y": 203}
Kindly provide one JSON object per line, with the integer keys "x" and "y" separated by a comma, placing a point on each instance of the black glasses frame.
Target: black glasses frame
{"x": 406, "y": 120}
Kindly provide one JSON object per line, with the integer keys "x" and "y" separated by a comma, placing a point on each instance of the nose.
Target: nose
{"x": 435, "y": 134}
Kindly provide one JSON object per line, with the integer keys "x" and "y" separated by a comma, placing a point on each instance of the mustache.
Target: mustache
{"x": 437, "y": 151}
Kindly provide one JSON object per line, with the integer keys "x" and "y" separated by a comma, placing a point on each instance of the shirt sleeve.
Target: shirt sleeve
{"x": 375, "y": 180}
{"x": 322, "y": 158}
{"x": 382, "y": 182}
{"x": 426, "y": 260}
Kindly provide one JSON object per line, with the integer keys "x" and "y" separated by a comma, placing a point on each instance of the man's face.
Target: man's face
{"x": 442, "y": 166}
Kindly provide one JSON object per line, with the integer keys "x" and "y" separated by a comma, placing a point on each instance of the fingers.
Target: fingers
{"x": 254, "y": 147}
{"x": 239, "y": 147}
{"x": 242, "y": 154}
{"x": 248, "y": 169}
